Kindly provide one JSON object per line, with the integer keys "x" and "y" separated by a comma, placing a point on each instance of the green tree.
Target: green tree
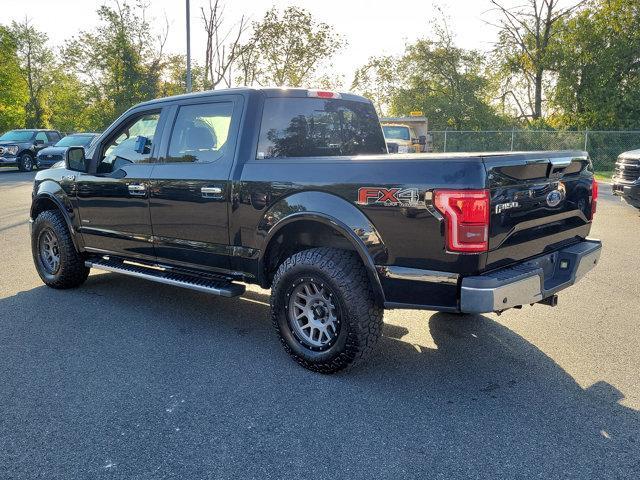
{"x": 36, "y": 59}
{"x": 13, "y": 88}
{"x": 596, "y": 58}
{"x": 119, "y": 61}
{"x": 287, "y": 49}
{"x": 447, "y": 83}
{"x": 174, "y": 79}
{"x": 523, "y": 52}
{"x": 378, "y": 80}
{"x": 66, "y": 99}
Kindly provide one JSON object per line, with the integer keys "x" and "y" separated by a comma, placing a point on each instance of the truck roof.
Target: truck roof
{"x": 267, "y": 91}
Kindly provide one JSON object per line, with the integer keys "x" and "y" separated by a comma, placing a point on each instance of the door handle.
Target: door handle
{"x": 69, "y": 178}
{"x": 211, "y": 192}
{"x": 137, "y": 189}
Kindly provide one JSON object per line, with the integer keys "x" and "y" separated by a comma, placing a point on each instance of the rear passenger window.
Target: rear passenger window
{"x": 313, "y": 127}
{"x": 200, "y": 133}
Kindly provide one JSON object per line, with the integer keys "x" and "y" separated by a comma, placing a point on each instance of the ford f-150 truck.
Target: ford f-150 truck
{"x": 293, "y": 190}
{"x": 20, "y": 147}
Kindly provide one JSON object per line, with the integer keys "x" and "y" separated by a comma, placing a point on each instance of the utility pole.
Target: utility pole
{"x": 188, "y": 50}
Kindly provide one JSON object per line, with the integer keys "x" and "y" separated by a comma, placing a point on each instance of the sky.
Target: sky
{"x": 371, "y": 27}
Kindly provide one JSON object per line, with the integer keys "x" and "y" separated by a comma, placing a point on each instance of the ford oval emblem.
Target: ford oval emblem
{"x": 554, "y": 198}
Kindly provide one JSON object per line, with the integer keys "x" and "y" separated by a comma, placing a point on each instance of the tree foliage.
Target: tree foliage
{"x": 523, "y": 51}
{"x": 121, "y": 62}
{"x": 35, "y": 62}
{"x": 597, "y": 61}
{"x": 434, "y": 76}
{"x": 13, "y": 88}
{"x": 287, "y": 49}
{"x": 557, "y": 64}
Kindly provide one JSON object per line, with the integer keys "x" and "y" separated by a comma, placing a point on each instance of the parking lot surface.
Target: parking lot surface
{"x": 123, "y": 378}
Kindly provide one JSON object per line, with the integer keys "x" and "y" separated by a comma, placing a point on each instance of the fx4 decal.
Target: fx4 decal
{"x": 390, "y": 197}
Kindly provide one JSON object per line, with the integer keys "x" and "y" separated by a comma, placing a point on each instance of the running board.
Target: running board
{"x": 212, "y": 286}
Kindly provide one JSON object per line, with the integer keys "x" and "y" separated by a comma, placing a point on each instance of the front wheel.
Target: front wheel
{"x": 56, "y": 259}
{"x": 324, "y": 309}
{"x": 25, "y": 162}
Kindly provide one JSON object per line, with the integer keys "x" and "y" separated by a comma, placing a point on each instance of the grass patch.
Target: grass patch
{"x": 604, "y": 175}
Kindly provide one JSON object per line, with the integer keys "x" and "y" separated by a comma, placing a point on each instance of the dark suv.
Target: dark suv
{"x": 20, "y": 147}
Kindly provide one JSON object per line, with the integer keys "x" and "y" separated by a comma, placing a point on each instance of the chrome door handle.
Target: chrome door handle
{"x": 69, "y": 178}
{"x": 211, "y": 192}
{"x": 137, "y": 189}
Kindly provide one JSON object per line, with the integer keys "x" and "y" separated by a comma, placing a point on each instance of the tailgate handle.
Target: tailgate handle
{"x": 561, "y": 162}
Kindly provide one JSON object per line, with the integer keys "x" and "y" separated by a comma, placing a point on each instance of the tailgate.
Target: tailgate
{"x": 540, "y": 201}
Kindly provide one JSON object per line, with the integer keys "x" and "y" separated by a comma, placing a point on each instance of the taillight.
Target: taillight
{"x": 466, "y": 215}
{"x": 594, "y": 197}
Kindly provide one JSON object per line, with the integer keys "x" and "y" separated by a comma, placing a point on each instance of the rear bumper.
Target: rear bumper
{"x": 530, "y": 281}
{"x": 629, "y": 193}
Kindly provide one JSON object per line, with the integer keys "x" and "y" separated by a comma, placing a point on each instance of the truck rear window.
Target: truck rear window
{"x": 313, "y": 127}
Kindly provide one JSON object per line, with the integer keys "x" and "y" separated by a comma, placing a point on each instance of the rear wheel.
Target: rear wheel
{"x": 56, "y": 259}
{"x": 25, "y": 162}
{"x": 324, "y": 309}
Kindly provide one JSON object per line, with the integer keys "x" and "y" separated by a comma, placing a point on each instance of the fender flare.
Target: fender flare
{"x": 57, "y": 197}
{"x": 337, "y": 214}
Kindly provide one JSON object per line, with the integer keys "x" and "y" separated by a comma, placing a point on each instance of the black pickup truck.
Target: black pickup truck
{"x": 293, "y": 190}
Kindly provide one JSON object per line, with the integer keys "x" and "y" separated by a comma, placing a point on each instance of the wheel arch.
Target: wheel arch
{"x": 316, "y": 219}
{"x": 46, "y": 199}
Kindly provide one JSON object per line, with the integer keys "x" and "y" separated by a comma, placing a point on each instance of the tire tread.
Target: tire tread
{"x": 73, "y": 271}
{"x": 345, "y": 268}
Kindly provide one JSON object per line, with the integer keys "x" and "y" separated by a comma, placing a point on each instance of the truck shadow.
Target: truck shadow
{"x": 481, "y": 401}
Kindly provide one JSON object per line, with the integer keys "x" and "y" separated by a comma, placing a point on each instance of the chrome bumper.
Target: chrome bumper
{"x": 529, "y": 282}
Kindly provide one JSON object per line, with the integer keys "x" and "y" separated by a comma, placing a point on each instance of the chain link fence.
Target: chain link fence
{"x": 603, "y": 146}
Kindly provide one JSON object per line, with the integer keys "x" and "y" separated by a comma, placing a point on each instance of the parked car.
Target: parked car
{"x": 47, "y": 157}
{"x": 293, "y": 190}
{"x": 626, "y": 178}
{"x": 19, "y": 147}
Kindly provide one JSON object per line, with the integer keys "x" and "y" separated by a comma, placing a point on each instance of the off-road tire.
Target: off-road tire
{"x": 360, "y": 315}
{"x": 25, "y": 162}
{"x": 71, "y": 271}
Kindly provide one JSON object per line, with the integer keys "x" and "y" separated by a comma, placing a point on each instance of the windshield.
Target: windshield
{"x": 18, "y": 135}
{"x": 395, "y": 132}
{"x": 75, "y": 141}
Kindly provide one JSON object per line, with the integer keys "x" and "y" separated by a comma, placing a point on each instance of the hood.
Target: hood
{"x": 52, "y": 151}
{"x": 630, "y": 155}
{"x": 5, "y": 143}
{"x": 400, "y": 141}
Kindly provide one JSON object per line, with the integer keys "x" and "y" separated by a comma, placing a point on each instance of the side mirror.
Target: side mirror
{"x": 74, "y": 159}
{"x": 142, "y": 145}
{"x": 38, "y": 142}
{"x": 422, "y": 140}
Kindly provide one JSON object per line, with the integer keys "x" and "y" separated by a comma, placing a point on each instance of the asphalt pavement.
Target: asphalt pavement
{"x": 128, "y": 379}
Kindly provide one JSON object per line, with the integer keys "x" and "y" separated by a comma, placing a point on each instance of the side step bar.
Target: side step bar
{"x": 220, "y": 287}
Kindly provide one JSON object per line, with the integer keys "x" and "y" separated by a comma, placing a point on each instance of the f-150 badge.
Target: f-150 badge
{"x": 390, "y": 197}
